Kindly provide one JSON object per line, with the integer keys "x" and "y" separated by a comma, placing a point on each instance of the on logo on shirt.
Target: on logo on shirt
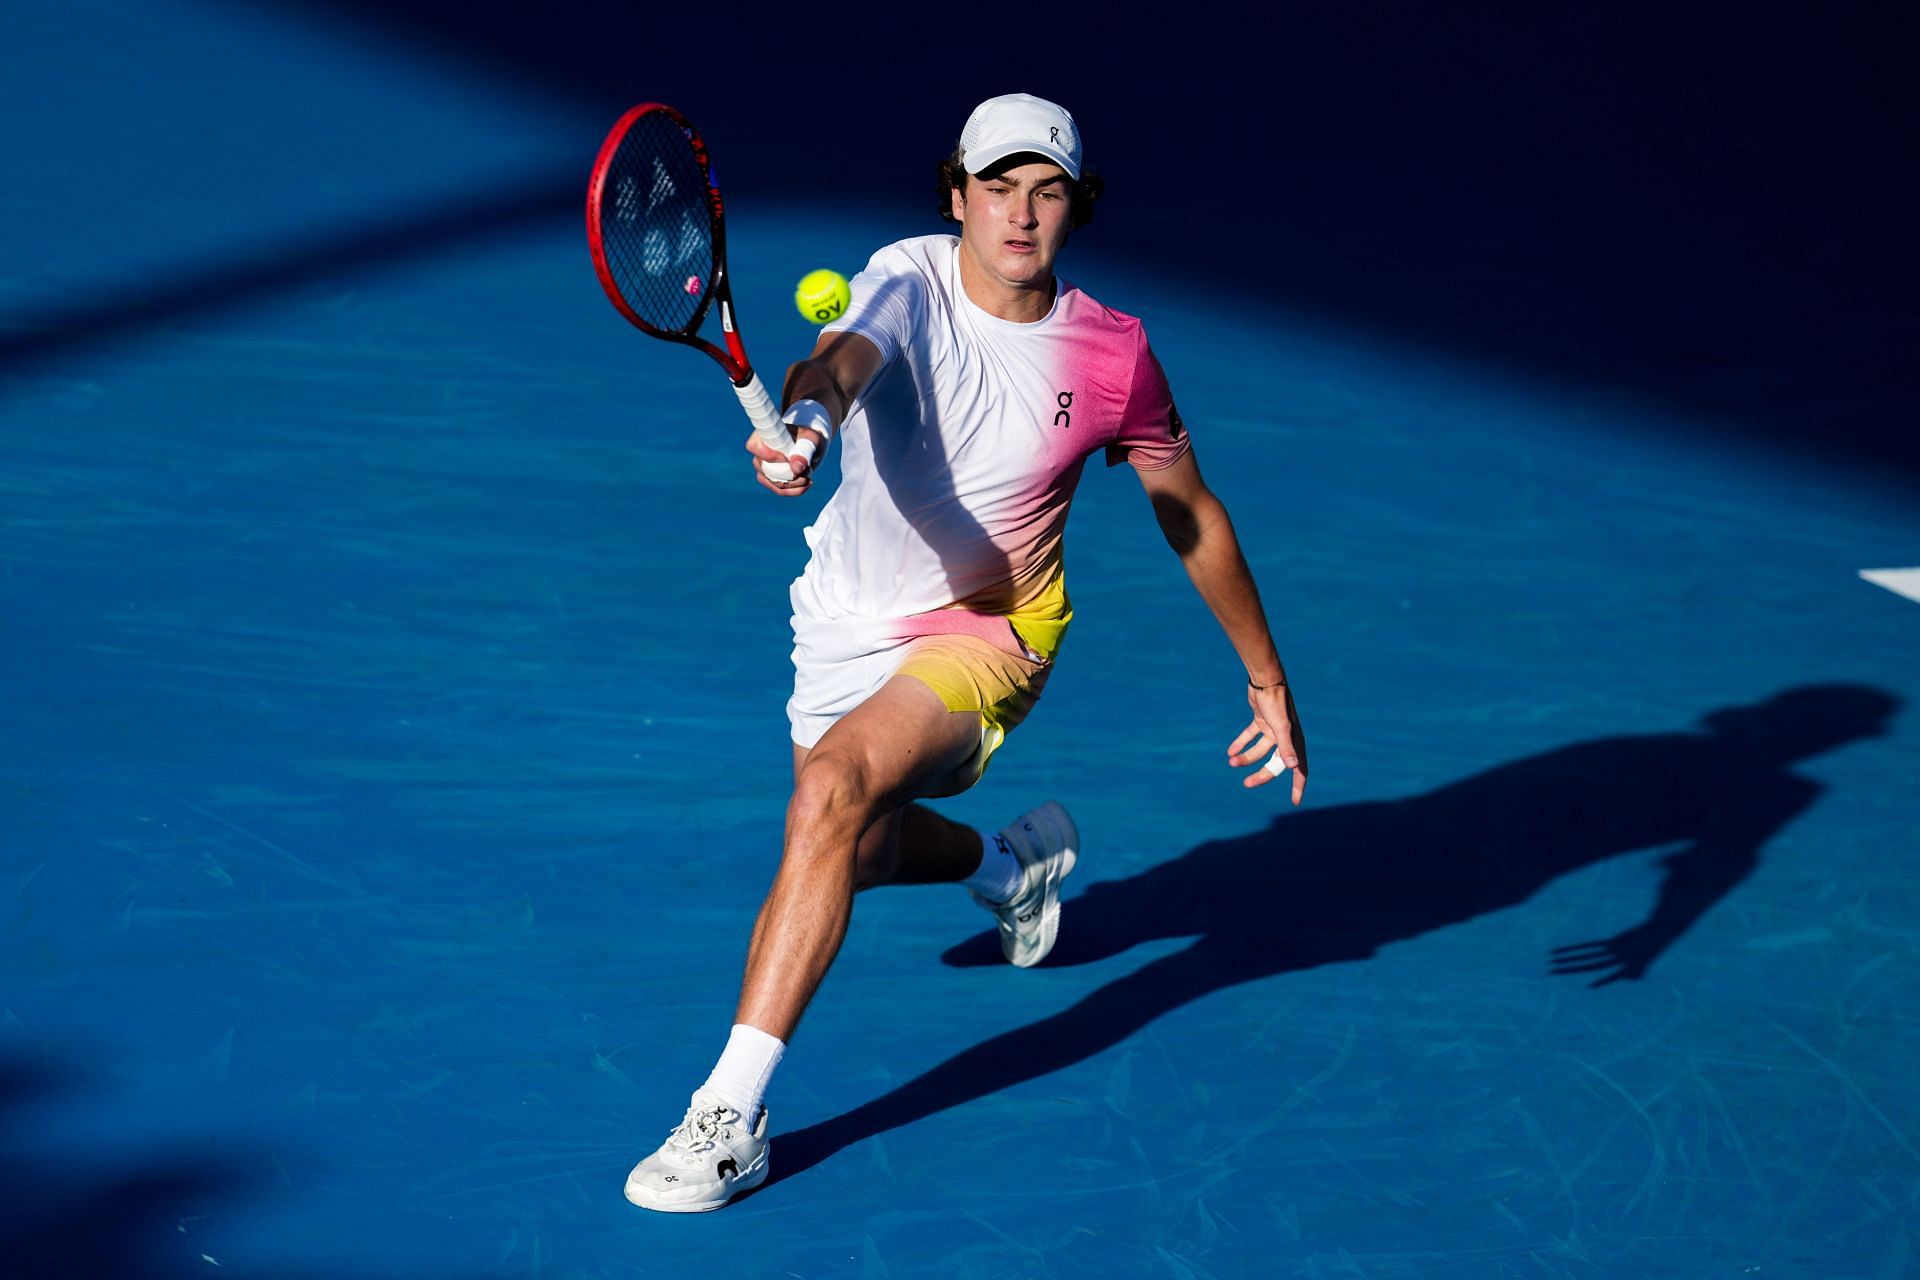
{"x": 1063, "y": 418}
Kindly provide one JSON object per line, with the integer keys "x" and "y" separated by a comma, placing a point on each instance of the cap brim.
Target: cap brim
{"x": 984, "y": 158}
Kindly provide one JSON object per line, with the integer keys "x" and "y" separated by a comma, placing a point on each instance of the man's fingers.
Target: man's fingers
{"x": 790, "y": 489}
{"x": 1252, "y": 752}
{"x": 1276, "y": 764}
{"x": 798, "y": 463}
{"x": 760, "y": 449}
{"x": 1273, "y": 742}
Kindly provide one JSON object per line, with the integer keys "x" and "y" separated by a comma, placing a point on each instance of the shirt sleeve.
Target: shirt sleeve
{"x": 1151, "y": 435}
{"x": 886, "y": 299}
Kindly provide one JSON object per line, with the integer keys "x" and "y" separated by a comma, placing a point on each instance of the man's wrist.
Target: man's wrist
{"x": 1269, "y": 682}
{"x": 810, "y": 414}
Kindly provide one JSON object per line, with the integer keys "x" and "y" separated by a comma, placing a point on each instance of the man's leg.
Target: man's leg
{"x": 851, "y": 826}
{"x": 900, "y": 743}
{"x": 925, "y": 849}
{"x": 910, "y": 845}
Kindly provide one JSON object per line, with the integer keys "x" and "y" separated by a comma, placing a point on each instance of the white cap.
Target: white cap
{"x": 1017, "y": 122}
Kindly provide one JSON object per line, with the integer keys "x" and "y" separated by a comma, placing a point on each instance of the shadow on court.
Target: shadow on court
{"x": 105, "y": 1214}
{"x": 1331, "y": 885}
{"x": 62, "y": 1218}
{"x": 269, "y": 273}
{"x": 1704, "y": 213}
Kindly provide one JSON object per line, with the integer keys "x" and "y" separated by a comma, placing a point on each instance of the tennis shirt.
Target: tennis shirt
{"x": 957, "y": 465}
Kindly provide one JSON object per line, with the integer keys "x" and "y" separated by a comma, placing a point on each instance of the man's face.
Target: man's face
{"x": 1014, "y": 222}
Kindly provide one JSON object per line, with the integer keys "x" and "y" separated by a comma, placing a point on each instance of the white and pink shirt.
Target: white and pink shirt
{"x": 958, "y": 461}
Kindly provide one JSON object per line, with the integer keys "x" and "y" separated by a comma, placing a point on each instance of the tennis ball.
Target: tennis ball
{"x": 823, "y": 295}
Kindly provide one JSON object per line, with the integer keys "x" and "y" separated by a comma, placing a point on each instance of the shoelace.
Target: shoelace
{"x": 700, "y": 1129}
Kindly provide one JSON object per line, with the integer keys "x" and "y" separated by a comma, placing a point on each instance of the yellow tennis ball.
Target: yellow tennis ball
{"x": 823, "y": 296}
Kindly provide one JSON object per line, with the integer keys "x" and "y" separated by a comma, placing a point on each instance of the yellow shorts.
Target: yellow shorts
{"x": 968, "y": 674}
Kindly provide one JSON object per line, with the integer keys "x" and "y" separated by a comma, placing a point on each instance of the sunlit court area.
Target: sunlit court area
{"x": 395, "y": 647}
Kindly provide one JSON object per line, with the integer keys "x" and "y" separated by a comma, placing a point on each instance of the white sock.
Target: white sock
{"x": 1000, "y": 875}
{"x": 741, "y": 1075}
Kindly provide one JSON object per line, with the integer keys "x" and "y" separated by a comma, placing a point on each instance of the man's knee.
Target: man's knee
{"x": 831, "y": 797}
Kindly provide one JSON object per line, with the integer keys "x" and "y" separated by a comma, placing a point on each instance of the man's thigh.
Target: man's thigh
{"x": 903, "y": 743}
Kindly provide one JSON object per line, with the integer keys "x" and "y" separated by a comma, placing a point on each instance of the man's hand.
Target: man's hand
{"x": 802, "y": 469}
{"x": 841, "y": 366}
{"x": 1275, "y": 731}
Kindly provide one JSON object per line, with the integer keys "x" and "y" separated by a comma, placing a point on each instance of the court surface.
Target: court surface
{"x": 392, "y": 758}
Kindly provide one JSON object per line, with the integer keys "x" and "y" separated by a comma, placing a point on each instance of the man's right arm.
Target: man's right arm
{"x": 841, "y": 366}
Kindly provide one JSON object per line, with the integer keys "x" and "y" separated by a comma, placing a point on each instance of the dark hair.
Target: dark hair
{"x": 953, "y": 177}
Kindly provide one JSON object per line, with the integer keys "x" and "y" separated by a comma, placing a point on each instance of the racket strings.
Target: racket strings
{"x": 657, "y": 225}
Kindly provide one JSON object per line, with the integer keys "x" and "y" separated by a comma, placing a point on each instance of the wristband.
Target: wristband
{"x": 1262, "y": 688}
{"x": 810, "y": 414}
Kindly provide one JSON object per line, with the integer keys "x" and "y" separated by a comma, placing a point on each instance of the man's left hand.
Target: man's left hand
{"x": 1274, "y": 739}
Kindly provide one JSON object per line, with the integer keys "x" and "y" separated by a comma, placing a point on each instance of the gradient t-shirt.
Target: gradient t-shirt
{"x": 958, "y": 461}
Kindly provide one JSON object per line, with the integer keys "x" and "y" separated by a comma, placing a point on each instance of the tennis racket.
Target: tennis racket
{"x": 655, "y": 226}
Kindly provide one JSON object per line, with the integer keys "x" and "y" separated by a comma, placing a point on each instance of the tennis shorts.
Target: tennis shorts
{"x": 966, "y": 672}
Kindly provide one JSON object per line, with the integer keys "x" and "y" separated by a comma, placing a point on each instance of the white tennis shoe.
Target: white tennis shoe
{"x": 1045, "y": 842}
{"x": 707, "y": 1160}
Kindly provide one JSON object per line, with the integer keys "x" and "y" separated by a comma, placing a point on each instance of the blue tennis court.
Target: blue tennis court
{"x": 392, "y": 755}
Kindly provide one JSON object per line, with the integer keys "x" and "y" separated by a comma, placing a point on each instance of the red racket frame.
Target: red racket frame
{"x": 719, "y": 289}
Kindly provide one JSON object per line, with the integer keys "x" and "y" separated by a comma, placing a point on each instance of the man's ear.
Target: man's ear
{"x": 959, "y": 204}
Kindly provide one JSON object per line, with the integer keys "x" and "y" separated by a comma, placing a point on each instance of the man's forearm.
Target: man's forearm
{"x": 1210, "y": 552}
{"x": 814, "y": 380}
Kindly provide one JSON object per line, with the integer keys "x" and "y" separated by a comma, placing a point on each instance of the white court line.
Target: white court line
{"x": 1902, "y": 582}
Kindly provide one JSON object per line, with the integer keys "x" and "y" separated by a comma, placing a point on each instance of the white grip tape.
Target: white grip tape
{"x": 1276, "y": 764}
{"x": 767, "y": 425}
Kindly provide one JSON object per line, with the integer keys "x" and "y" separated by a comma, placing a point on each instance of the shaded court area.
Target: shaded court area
{"x": 392, "y": 754}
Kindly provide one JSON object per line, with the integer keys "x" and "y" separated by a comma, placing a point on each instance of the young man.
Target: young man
{"x": 967, "y": 386}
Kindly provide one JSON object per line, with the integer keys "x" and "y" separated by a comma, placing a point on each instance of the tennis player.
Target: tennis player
{"x": 967, "y": 385}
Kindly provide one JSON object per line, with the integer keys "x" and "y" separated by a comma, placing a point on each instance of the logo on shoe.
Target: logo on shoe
{"x": 727, "y": 1169}
{"x": 1030, "y": 915}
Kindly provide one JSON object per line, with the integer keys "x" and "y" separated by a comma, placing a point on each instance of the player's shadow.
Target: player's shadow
{"x": 66, "y": 1214}
{"x": 77, "y": 1205}
{"x": 1322, "y": 886}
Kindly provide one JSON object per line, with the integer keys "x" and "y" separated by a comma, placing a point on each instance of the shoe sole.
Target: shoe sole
{"x": 1057, "y": 825}
{"x": 753, "y": 1177}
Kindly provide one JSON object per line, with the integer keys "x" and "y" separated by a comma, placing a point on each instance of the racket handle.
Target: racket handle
{"x": 767, "y": 425}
